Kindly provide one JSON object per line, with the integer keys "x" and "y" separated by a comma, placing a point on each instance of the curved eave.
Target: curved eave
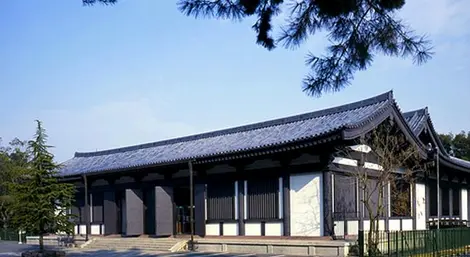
{"x": 389, "y": 111}
{"x": 445, "y": 157}
{"x": 434, "y": 136}
{"x": 447, "y": 161}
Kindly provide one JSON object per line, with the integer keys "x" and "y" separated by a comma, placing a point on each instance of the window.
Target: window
{"x": 445, "y": 200}
{"x": 433, "y": 197}
{"x": 220, "y": 201}
{"x": 371, "y": 193}
{"x": 456, "y": 201}
{"x": 345, "y": 197}
{"x": 78, "y": 209}
{"x": 400, "y": 198}
{"x": 263, "y": 198}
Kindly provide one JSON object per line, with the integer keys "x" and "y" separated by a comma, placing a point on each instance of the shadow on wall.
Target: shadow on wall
{"x": 306, "y": 205}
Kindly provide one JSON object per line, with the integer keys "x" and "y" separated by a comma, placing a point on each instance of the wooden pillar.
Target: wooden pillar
{"x": 200, "y": 208}
{"x": 328, "y": 227}
{"x": 427, "y": 198}
{"x": 360, "y": 204}
{"x": 286, "y": 203}
{"x": 241, "y": 207}
{"x": 87, "y": 208}
{"x": 451, "y": 200}
{"x": 387, "y": 206}
{"x": 110, "y": 214}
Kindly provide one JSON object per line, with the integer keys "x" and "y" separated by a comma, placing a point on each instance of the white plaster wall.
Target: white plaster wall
{"x": 75, "y": 229}
{"x": 407, "y": 224}
{"x": 464, "y": 199}
{"x": 212, "y": 229}
{"x": 253, "y": 229}
{"x": 82, "y": 229}
{"x": 394, "y": 225}
{"x": 273, "y": 229}
{"x": 381, "y": 224}
{"x": 345, "y": 161}
{"x": 339, "y": 228}
{"x": 367, "y": 225}
{"x": 372, "y": 166}
{"x": 95, "y": 229}
{"x": 306, "y": 194}
{"x": 420, "y": 191}
{"x": 230, "y": 229}
{"x": 353, "y": 227}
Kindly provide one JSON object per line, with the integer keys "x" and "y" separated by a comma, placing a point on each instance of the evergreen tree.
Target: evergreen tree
{"x": 41, "y": 203}
{"x": 357, "y": 31}
{"x": 457, "y": 145}
{"x": 13, "y": 161}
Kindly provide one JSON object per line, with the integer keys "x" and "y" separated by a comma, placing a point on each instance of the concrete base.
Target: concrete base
{"x": 55, "y": 241}
{"x": 281, "y": 247}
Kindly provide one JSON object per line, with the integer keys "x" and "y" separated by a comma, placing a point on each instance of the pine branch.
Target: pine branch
{"x": 105, "y": 2}
{"x": 223, "y": 9}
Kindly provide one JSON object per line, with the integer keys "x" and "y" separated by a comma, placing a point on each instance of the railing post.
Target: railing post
{"x": 396, "y": 243}
{"x": 361, "y": 243}
{"x": 388, "y": 242}
{"x": 402, "y": 244}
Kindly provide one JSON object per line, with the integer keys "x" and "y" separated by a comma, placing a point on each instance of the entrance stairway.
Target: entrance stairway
{"x": 137, "y": 243}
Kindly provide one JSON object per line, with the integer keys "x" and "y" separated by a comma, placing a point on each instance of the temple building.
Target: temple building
{"x": 274, "y": 178}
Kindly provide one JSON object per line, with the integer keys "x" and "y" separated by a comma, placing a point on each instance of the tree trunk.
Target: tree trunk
{"x": 41, "y": 242}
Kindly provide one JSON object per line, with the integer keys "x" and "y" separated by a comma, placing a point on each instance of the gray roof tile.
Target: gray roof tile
{"x": 461, "y": 162}
{"x": 239, "y": 139}
{"x": 417, "y": 119}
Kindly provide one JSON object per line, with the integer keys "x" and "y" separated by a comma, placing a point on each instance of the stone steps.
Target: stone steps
{"x": 145, "y": 244}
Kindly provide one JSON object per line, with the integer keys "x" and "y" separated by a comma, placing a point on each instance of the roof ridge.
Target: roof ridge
{"x": 423, "y": 110}
{"x": 269, "y": 123}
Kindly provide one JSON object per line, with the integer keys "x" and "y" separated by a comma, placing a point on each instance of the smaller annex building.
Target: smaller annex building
{"x": 273, "y": 178}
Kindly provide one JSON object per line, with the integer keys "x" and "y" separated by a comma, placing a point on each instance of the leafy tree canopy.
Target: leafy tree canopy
{"x": 357, "y": 31}
{"x": 13, "y": 161}
{"x": 458, "y": 145}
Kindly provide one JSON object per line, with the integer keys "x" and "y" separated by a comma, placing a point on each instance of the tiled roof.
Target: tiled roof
{"x": 417, "y": 119}
{"x": 240, "y": 139}
{"x": 461, "y": 162}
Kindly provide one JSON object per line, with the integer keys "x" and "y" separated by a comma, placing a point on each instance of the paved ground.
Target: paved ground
{"x": 103, "y": 253}
{"x": 10, "y": 249}
{"x": 13, "y": 248}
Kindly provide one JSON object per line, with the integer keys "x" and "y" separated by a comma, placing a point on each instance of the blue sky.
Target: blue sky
{"x": 140, "y": 71}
